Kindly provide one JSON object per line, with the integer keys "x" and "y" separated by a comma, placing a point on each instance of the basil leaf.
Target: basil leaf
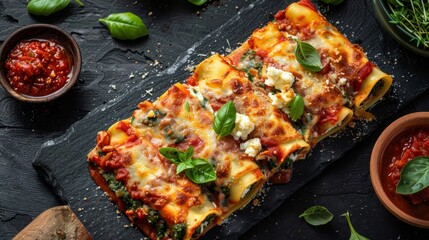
{"x": 308, "y": 56}
{"x": 297, "y": 107}
{"x": 224, "y": 120}
{"x": 202, "y": 172}
{"x": 197, "y": 2}
{"x": 125, "y": 26}
{"x": 353, "y": 234}
{"x": 186, "y": 156}
{"x": 46, "y": 7}
{"x": 183, "y": 166}
{"x": 414, "y": 176}
{"x": 172, "y": 154}
{"x": 317, "y": 215}
{"x": 333, "y": 2}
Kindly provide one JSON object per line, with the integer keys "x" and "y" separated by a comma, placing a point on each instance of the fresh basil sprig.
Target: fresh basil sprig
{"x": 414, "y": 176}
{"x": 125, "y": 26}
{"x": 198, "y": 170}
{"x": 197, "y": 2}
{"x": 333, "y": 2}
{"x": 224, "y": 120}
{"x": 47, "y": 7}
{"x": 308, "y": 56}
{"x": 297, "y": 107}
{"x": 317, "y": 215}
{"x": 353, "y": 234}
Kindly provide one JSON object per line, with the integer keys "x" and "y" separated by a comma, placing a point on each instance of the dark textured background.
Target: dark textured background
{"x": 116, "y": 75}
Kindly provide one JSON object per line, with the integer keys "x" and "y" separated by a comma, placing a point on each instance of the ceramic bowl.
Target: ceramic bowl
{"x": 418, "y": 119}
{"x": 41, "y": 31}
{"x": 398, "y": 33}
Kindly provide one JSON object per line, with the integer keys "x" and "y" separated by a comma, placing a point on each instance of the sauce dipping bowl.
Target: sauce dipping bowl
{"x": 41, "y": 32}
{"x": 398, "y": 205}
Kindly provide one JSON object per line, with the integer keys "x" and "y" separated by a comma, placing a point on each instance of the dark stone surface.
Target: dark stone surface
{"x": 111, "y": 85}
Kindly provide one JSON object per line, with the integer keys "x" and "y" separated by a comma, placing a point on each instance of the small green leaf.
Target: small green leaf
{"x": 46, "y": 7}
{"x": 224, "y": 120}
{"x": 187, "y": 155}
{"x": 317, "y": 215}
{"x": 172, "y": 154}
{"x": 202, "y": 172}
{"x": 333, "y": 2}
{"x": 197, "y": 170}
{"x": 297, "y": 107}
{"x": 187, "y": 107}
{"x": 353, "y": 234}
{"x": 197, "y": 2}
{"x": 125, "y": 26}
{"x": 308, "y": 56}
{"x": 183, "y": 166}
{"x": 414, "y": 176}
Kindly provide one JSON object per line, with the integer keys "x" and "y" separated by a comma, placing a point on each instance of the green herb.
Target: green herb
{"x": 203, "y": 225}
{"x": 333, "y": 2}
{"x": 47, "y": 7}
{"x": 414, "y": 176}
{"x": 317, "y": 215}
{"x": 308, "y": 56}
{"x": 197, "y": 2}
{"x": 224, "y": 120}
{"x": 125, "y": 26}
{"x": 297, "y": 107}
{"x": 201, "y": 172}
{"x": 353, "y": 234}
{"x": 187, "y": 107}
{"x": 121, "y": 191}
{"x": 413, "y": 15}
{"x": 250, "y": 61}
{"x": 172, "y": 154}
{"x": 196, "y": 169}
{"x": 161, "y": 229}
{"x": 179, "y": 231}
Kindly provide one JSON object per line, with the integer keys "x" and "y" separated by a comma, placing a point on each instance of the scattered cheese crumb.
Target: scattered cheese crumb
{"x": 252, "y": 147}
{"x": 279, "y": 79}
{"x": 283, "y": 99}
{"x": 243, "y": 127}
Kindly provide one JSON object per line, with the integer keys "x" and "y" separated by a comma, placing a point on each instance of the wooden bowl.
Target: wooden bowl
{"x": 41, "y": 31}
{"x": 379, "y": 160}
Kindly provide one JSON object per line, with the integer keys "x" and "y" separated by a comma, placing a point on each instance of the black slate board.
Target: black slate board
{"x": 62, "y": 161}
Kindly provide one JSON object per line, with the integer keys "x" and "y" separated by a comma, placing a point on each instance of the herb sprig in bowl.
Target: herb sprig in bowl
{"x": 413, "y": 16}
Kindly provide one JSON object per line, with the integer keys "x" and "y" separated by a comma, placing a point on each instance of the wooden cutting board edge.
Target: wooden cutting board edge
{"x": 55, "y": 223}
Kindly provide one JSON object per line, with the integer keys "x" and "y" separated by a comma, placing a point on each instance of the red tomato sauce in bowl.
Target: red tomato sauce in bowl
{"x": 38, "y": 67}
{"x": 411, "y": 143}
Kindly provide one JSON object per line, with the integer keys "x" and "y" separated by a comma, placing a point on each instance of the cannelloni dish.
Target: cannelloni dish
{"x": 182, "y": 164}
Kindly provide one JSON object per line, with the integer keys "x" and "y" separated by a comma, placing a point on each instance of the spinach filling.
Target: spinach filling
{"x": 250, "y": 61}
{"x": 377, "y": 87}
{"x": 153, "y": 120}
{"x": 156, "y": 221}
{"x": 179, "y": 231}
{"x": 203, "y": 225}
{"x": 120, "y": 190}
{"x": 227, "y": 192}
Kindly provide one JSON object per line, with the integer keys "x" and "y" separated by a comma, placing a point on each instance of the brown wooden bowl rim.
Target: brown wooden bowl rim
{"x": 398, "y": 126}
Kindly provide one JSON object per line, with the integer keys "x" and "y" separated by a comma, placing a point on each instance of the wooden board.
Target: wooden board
{"x": 55, "y": 223}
